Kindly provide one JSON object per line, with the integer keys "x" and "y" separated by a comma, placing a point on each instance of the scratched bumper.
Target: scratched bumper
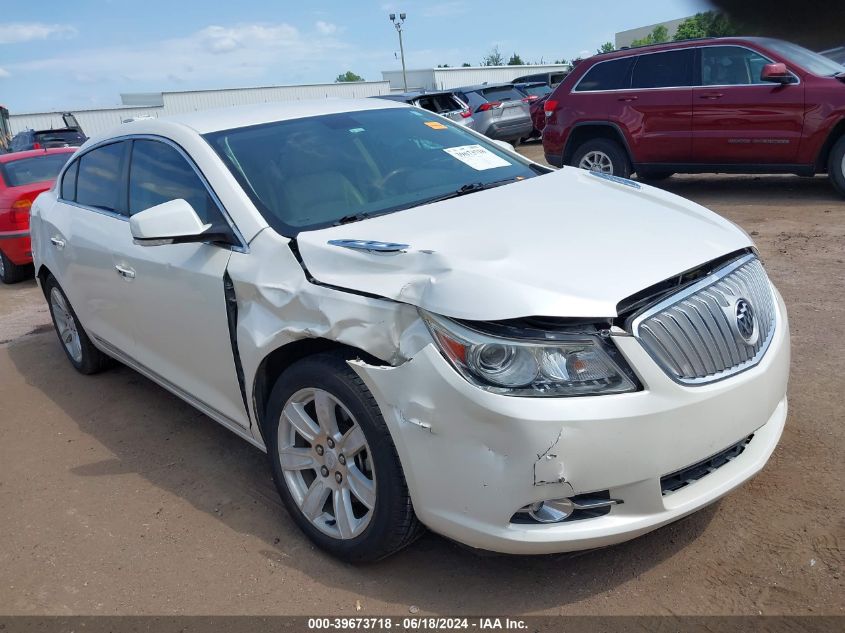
{"x": 473, "y": 458}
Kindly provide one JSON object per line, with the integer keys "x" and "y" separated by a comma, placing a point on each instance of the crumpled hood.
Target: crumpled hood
{"x": 566, "y": 244}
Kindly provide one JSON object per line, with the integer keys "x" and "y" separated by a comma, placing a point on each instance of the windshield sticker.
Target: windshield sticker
{"x": 477, "y": 157}
{"x": 435, "y": 125}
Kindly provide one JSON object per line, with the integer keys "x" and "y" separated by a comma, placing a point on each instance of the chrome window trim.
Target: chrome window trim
{"x": 574, "y": 89}
{"x": 243, "y": 247}
{"x": 711, "y": 279}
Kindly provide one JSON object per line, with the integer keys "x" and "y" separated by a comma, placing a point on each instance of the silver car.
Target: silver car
{"x": 500, "y": 111}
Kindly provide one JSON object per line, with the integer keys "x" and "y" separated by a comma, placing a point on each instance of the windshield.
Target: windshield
{"x": 310, "y": 173}
{"x": 806, "y": 59}
{"x": 36, "y": 169}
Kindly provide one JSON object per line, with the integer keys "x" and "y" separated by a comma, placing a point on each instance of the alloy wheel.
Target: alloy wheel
{"x": 65, "y": 325}
{"x": 597, "y": 161}
{"x": 326, "y": 463}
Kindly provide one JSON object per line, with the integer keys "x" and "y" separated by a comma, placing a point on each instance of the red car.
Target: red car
{"x": 743, "y": 105}
{"x": 23, "y": 175}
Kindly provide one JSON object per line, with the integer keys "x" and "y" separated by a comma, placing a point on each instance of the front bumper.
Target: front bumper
{"x": 473, "y": 458}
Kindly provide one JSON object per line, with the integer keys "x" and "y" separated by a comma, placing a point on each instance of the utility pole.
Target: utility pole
{"x": 398, "y": 24}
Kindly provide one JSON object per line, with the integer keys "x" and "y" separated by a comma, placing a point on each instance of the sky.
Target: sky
{"x": 83, "y": 54}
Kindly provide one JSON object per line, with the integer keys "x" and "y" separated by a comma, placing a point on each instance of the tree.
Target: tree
{"x": 443, "y": 65}
{"x": 707, "y": 24}
{"x": 515, "y": 60}
{"x": 658, "y": 35}
{"x": 493, "y": 58}
{"x": 561, "y": 61}
{"x": 607, "y": 47}
{"x": 348, "y": 76}
{"x": 466, "y": 65}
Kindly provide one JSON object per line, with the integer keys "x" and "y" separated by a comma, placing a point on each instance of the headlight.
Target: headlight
{"x": 573, "y": 364}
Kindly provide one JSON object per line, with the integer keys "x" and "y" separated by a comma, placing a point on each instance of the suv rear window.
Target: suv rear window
{"x": 610, "y": 75}
{"x": 663, "y": 70}
{"x": 502, "y": 93}
{"x": 37, "y": 169}
{"x": 440, "y": 103}
{"x": 59, "y": 138}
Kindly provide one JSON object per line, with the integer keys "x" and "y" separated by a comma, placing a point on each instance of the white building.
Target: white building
{"x": 446, "y": 78}
{"x": 100, "y": 120}
{"x": 626, "y": 38}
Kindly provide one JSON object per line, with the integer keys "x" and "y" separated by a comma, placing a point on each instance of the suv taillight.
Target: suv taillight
{"x": 549, "y": 107}
{"x": 488, "y": 106}
{"x": 530, "y": 98}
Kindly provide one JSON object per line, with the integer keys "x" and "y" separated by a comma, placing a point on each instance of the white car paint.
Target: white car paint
{"x": 578, "y": 245}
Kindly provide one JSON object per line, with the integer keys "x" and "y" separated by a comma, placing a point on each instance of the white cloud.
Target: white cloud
{"x": 326, "y": 28}
{"x": 4, "y": 73}
{"x": 219, "y": 39}
{"x": 15, "y": 32}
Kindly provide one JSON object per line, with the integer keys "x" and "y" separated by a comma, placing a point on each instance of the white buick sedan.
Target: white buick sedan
{"x": 419, "y": 326}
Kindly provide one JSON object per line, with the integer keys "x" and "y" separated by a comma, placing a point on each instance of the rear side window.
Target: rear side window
{"x": 69, "y": 182}
{"x": 663, "y": 70}
{"x": 158, "y": 173}
{"x": 98, "y": 184}
{"x": 37, "y": 169}
{"x": 610, "y": 75}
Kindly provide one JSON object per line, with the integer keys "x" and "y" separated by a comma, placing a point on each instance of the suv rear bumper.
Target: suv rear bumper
{"x": 510, "y": 129}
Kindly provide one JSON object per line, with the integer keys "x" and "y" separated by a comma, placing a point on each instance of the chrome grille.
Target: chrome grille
{"x": 701, "y": 334}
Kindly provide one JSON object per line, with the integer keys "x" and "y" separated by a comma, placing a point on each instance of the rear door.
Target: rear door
{"x": 740, "y": 119}
{"x": 656, "y": 110}
{"x": 175, "y": 295}
{"x": 87, "y": 219}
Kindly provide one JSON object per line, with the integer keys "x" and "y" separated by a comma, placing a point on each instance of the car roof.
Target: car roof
{"x": 33, "y": 153}
{"x": 206, "y": 121}
{"x": 668, "y": 46}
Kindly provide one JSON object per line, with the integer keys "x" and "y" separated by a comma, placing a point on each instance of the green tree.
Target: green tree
{"x": 515, "y": 60}
{"x": 466, "y": 65}
{"x": 443, "y": 65}
{"x": 348, "y": 76}
{"x": 607, "y": 47}
{"x": 658, "y": 35}
{"x": 561, "y": 61}
{"x": 493, "y": 58}
{"x": 707, "y": 24}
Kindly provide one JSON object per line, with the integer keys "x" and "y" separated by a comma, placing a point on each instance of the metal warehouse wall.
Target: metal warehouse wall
{"x": 445, "y": 78}
{"x": 95, "y": 122}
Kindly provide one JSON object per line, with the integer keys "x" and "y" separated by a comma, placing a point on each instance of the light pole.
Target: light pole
{"x": 398, "y": 24}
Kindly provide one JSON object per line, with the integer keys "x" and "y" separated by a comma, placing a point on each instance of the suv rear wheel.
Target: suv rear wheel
{"x": 602, "y": 155}
{"x": 836, "y": 165}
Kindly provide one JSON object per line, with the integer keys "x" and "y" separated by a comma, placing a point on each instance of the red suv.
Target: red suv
{"x": 742, "y": 105}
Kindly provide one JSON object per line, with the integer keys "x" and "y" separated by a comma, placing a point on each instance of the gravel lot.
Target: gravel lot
{"x": 118, "y": 498}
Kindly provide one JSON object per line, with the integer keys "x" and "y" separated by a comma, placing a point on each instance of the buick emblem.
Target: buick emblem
{"x": 746, "y": 323}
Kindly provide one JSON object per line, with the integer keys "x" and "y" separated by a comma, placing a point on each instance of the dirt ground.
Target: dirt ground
{"x": 117, "y": 498}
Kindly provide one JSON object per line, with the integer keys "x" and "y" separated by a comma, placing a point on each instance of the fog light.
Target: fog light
{"x": 551, "y": 511}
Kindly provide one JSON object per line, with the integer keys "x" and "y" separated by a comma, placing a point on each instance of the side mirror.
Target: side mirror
{"x": 173, "y": 222}
{"x": 504, "y": 145}
{"x": 776, "y": 73}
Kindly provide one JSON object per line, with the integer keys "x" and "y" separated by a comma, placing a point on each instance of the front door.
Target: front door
{"x": 737, "y": 118}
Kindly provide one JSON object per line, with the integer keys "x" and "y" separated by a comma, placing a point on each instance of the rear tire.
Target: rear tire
{"x": 604, "y": 156}
{"x": 78, "y": 348}
{"x": 836, "y": 165}
{"x": 12, "y": 273}
{"x": 348, "y": 496}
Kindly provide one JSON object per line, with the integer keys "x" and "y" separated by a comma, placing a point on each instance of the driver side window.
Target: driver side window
{"x": 731, "y": 66}
{"x": 158, "y": 173}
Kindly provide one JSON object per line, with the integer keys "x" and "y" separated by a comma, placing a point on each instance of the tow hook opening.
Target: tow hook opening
{"x": 583, "y": 506}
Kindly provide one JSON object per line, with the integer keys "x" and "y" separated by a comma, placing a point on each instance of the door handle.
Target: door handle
{"x": 126, "y": 273}
{"x": 712, "y": 95}
{"x": 631, "y": 98}
{"x": 58, "y": 243}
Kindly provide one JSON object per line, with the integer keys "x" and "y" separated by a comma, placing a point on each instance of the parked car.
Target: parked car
{"x": 382, "y": 300}
{"x": 500, "y": 111}
{"x": 45, "y": 139}
{"x": 536, "y": 95}
{"x": 444, "y": 103}
{"x": 759, "y": 105}
{"x": 533, "y": 91}
{"x": 23, "y": 175}
{"x": 551, "y": 78}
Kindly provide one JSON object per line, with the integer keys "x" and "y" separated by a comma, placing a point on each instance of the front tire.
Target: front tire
{"x": 334, "y": 462}
{"x": 836, "y": 165}
{"x": 12, "y": 273}
{"x": 79, "y": 349}
{"x": 604, "y": 156}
